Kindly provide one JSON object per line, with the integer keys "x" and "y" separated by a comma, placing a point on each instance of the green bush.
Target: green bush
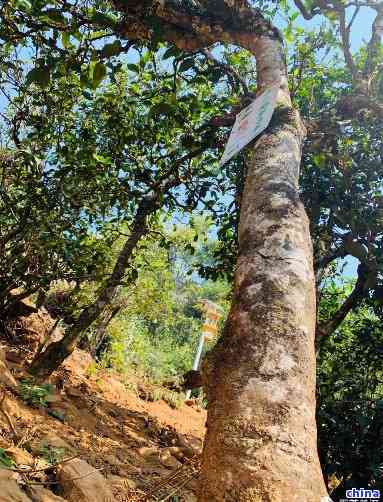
{"x": 132, "y": 348}
{"x": 35, "y": 395}
{"x": 350, "y": 404}
{"x": 52, "y": 454}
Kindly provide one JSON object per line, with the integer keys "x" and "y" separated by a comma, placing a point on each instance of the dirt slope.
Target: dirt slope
{"x": 137, "y": 445}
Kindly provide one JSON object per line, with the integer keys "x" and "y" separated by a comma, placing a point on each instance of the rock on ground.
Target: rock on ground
{"x": 10, "y": 490}
{"x": 53, "y": 441}
{"x": 40, "y": 494}
{"x": 19, "y": 456}
{"x": 81, "y": 482}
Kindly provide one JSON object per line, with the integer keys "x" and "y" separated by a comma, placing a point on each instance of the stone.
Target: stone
{"x": 168, "y": 460}
{"x": 10, "y": 491}
{"x": 72, "y": 391}
{"x": 57, "y": 413}
{"x": 53, "y": 399}
{"x": 147, "y": 452}
{"x": 40, "y": 494}
{"x": 179, "y": 452}
{"x": 191, "y": 443}
{"x": 19, "y": 456}
{"x": 81, "y": 482}
{"x": 112, "y": 460}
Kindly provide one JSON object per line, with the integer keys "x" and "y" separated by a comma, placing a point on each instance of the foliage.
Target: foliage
{"x": 6, "y": 462}
{"x": 35, "y": 395}
{"x": 157, "y": 331}
{"x": 52, "y": 454}
{"x": 41, "y": 237}
{"x": 350, "y": 403}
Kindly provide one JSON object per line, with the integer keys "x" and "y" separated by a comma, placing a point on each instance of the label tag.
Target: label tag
{"x": 250, "y": 122}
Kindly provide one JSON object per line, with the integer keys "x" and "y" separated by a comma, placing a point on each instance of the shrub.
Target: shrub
{"x": 35, "y": 395}
{"x": 52, "y": 454}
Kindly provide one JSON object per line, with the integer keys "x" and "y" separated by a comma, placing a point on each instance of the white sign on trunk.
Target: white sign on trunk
{"x": 250, "y": 122}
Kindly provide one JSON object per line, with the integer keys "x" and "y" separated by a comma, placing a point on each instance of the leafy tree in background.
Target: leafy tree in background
{"x": 108, "y": 176}
{"x": 157, "y": 331}
{"x": 156, "y": 317}
{"x": 42, "y": 238}
{"x": 350, "y": 403}
{"x": 146, "y": 163}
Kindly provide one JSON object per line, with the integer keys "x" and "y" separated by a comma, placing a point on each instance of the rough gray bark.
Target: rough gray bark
{"x": 260, "y": 380}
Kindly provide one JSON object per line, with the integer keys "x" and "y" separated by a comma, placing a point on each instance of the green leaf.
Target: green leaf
{"x": 55, "y": 15}
{"x": 99, "y": 73}
{"x": 5, "y": 461}
{"x": 172, "y": 52}
{"x": 102, "y": 159}
{"x": 186, "y": 64}
{"x": 161, "y": 109}
{"x": 40, "y": 76}
{"x": 215, "y": 75}
{"x": 113, "y": 49}
{"x": 65, "y": 38}
{"x": 104, "y": 19}
{"x": 23, "y": 5}
{"x": 133, "y": 67}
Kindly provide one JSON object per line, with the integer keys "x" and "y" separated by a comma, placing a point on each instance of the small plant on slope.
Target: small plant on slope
{"x": 35, "y": 395}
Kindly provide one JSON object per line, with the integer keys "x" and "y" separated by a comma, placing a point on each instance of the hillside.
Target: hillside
{"x": 119, "y": 446}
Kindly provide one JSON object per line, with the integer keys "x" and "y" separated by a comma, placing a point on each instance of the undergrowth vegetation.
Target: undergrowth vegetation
{"x": 158, "y": 317}
{"x": 35, "y": 395}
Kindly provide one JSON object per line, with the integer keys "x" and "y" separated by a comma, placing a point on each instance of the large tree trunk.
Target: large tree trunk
{"x": 261, "y": 435}
{"x": 46, "y": 362}
{"x": 260, "y": 379}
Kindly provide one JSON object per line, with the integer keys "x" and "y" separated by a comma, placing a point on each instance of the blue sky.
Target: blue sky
{"x": 361, "y": 29}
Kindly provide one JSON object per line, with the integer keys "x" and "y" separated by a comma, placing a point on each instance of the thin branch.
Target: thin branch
{"x": 345, "y": 34}
{"x": 303, "y": 10}
{"x": 352, "y": 301}
{"x": 356, "y": 12}
{"x": 327, "y": 259}
{"x": 228, "y": 69}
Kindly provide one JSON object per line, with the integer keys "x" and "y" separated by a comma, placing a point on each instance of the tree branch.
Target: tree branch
{"x": 325, "y": 261}
{"x": 374, "y": 43}
{"x": 228, "y": 69}
{"x": 304, "y": 11}
{"x": 345, "y": 34}
{"x": 352, "y": 301}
